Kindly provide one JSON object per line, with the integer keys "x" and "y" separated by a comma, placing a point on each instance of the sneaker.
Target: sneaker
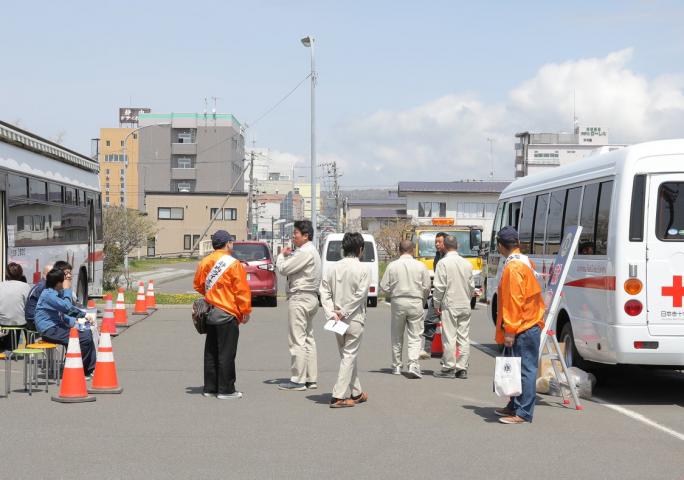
{"x": 424, "y": 355}
{"x": 360, "y": 398}
{"x": 396, "y": 370}
{"x": 341, "y": 402}
{"x": 462, "y": 374}
{"x": 293, "y": 387}
{"x": 89, "y": 377}
{"x": 229, "y": 396}
{"x": 504, "y": 412}
{"x": 311, "y": 385}
{"x": 444, "y": 374}
{"x": 512, "y": 420}
{"x": 414, "y": 371}
{"x": 208, "y": 394}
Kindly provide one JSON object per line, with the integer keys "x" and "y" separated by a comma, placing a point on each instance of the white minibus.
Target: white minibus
{"x": 622, "y": 299}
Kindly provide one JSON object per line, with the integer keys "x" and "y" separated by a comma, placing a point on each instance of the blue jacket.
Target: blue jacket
{"x": 55, "y": 309}
{"x": 32, "y": 300}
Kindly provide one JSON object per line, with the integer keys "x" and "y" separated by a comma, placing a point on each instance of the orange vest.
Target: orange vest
{"x": 231, "y": 291}
{"x": 520, "y": 305}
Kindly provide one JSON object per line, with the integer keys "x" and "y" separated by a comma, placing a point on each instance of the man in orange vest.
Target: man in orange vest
{"x": 223, "y": 282}
{"x": 520, "y": 320}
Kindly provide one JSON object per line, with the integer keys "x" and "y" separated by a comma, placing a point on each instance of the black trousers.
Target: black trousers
{"x": 220, "y": 349}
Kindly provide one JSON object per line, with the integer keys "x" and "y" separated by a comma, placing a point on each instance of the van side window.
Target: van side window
{"x": 572, "y": 208}
{"x": 500, "y": 215}
{"x": 540, "y": 223}
{"x": 587, "y": 244}
{"x": 514, "y": 215}
{"x": 526, "y": 222}
{"x": 603, "y": 218}
{"x": 554, "y": 224}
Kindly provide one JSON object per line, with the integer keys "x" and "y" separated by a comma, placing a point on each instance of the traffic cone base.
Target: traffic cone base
{"x": 73, "y": 387}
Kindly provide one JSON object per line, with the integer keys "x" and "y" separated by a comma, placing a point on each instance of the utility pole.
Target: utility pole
{"x": 250, "y": 198}
{"x": 491, "y": 157}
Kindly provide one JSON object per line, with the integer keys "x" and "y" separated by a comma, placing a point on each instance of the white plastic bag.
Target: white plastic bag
{"x": 584, "y": 384}
{"x": 507, "y": 379}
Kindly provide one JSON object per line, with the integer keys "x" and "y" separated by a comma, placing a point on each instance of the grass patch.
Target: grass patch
{"x": 162, "y": 298}
{"x": 147, "y": 263}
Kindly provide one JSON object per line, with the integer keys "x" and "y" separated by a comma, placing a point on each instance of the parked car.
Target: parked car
{"x": 261, "y": 276}
{"x": 332, "y": 252}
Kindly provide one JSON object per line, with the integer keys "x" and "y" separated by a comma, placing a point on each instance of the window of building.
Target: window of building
{"x": 588, "y": 219}
{"x": 108, "y": 143}
{"x": 151, "y": 248}
{"x": 122, "y": 171}
{"x": 540, "y": 223}
{"x": 135, "y": 136}
{"x": 216, "y": 214}
{"x": 170, "y": 213}
{"x": 18, "y": 186}
{"x": 121, "y": 200}
{"x": 526, "y": 224}
{"x": 184, "y": 186}
{"x": 432, "y": 209}
{"x": 185, "y": 136}
{"x": 107, "y": 171}
{"x": 187, "y": 242}
{"x": 37, "y": 190}
{"x": 195, "y": 239}
{"x": 55, "y": 192}
{"x": 554, "y": 224}
{"x": 230, "y": 213}
{"x": 122, "y": 143}
{"x": 107, "y": 185}
{"x": 603, "y": 218}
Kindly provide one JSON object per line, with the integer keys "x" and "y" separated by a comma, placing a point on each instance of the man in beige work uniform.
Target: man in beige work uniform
{"x": 407, "y": 282}
{"x": 344, "y": 294}
{"x": 302, "y": 268}
{"x": 453, "y": 289}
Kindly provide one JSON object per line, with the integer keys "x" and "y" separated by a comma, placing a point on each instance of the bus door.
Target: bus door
{"x": 3, "y": 232}
{"x": 665, "y": 255}
{"x": 91, "y": 240}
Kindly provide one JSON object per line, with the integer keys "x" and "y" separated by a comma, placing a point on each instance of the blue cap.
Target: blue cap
{"x": 507, "y": 235}
{"x": 220, "y": 238}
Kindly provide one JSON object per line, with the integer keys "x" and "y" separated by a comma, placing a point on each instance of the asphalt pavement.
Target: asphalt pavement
{"x": 161, "y": 427}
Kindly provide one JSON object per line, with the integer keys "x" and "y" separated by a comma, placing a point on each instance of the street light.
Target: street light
{"x": 308, "y": 42}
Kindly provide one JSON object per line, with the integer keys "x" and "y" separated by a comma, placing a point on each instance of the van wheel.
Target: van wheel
{"x": 373, "y": 302}
{"x": 473, "y": 303}
{"x": 572, "y": 356}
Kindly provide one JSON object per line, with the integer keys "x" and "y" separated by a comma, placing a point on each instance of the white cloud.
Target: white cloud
{"x": 446, "y": 139}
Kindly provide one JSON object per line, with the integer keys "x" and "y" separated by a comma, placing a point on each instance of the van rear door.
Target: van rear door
{"x": 665, "y": 255}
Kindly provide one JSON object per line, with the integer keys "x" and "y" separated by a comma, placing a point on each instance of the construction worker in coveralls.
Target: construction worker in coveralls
{"x": 302, "y": 267}
{"x": 453, "y": 288}
{"x": 344, "y": 294}
{"x": 407, "y": 282}
{"x": 519, "y": 322}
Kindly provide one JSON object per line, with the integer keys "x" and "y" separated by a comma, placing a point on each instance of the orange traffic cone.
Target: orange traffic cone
{"x": 73, "y": 387}
{"x": 105, "y": 379}
{"x": 436, "y": 348}
{"x": 120, "y": 315}
{"x": 140, "y": 302}
{"x": 108, "y": 323}
{"x": 151, "y": 301}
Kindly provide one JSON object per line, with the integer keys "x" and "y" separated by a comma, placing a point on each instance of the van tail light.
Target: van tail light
{"x": 633, "y": 308}
{"x": 268, "y": 266}
{"x": 638, "y": 345}
{"x": 371, "y": 289}
{"x": 633, "y": 286}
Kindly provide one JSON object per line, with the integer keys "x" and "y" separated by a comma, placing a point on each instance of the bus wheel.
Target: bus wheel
{"x": 82, "y": 288}
{"x": 473, "y": 303}
{"x": 572, "y": 356}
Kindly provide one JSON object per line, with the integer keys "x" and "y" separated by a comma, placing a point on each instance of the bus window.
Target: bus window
{"x": 588, "y": 219}
{"x": 540, "y": 223}
{"x": 603, "y": 218}
{"x": 572, "y": 208}
{"x": 554, "y": 224}
{"x": 526, "y": 222}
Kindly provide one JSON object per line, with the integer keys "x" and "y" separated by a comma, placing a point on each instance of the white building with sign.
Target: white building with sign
{"x": 537, "y": 152}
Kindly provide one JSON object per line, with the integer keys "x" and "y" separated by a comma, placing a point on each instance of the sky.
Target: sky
{"x": 406, "y": 90}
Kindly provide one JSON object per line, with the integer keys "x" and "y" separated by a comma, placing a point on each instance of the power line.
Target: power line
{"x": 279, "y": 102}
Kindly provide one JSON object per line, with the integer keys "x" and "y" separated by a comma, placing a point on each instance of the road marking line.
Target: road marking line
{"x": 639, "y": 417}
{"x": 624, "y": 411}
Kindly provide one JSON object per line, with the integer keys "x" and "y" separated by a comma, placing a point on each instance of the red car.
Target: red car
{"x": 261, "y": 275}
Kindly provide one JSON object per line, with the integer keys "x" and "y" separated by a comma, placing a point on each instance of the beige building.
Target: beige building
{"x": 119, "y": 169}
{"x": 182, "y": 218}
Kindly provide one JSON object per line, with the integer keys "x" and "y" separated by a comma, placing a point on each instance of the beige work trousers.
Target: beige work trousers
{"x": 407, "y": 316}
{"x": 348, "y": 383}
{"x": 456, "y": 333}
{"x": 301, "y": 309}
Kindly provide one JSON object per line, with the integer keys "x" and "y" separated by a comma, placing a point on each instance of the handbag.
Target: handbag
{"x": 200, "y": 312}
{"x": 507, "y": 375}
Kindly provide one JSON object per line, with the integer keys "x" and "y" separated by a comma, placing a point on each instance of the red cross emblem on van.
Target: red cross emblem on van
{"x": 676, "y": 291}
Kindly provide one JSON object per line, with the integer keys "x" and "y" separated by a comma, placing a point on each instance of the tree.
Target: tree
{"x": 124, "y": 231}
{"x": 389, "y": 237}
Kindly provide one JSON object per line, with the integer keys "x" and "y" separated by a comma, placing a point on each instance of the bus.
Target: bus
{"x": 622, "y": 299}
{"x": 469, "y": 245}
{"x": 51, "y": 209}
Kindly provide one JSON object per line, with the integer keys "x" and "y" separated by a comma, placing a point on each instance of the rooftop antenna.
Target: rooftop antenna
{"x": 206, "y": 107}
